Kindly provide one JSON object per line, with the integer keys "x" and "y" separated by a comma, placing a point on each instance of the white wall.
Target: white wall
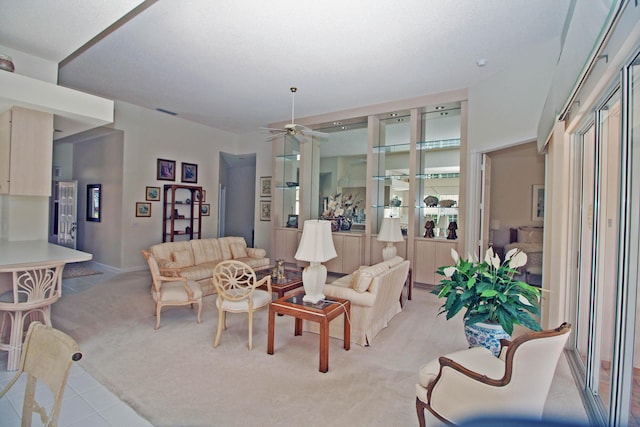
{"x": 99, "y": 161}
{"x": 514, "y": 171}
{"x": 504, "y": 111}
{"x": 149, "y": 135}
{"x": 255, "y": 142}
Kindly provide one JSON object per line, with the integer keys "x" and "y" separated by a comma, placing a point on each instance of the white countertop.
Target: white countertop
{"x": 32, "y": 252}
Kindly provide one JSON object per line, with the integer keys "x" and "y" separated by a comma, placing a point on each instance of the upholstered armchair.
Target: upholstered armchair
{"x": 473, "y": 382}
{"x": 172, "y": 290}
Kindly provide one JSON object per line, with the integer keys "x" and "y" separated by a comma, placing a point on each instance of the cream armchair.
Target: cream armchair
{"x": 474, "y": 382}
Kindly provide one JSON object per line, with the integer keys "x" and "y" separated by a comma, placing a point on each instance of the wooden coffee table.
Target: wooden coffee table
{"x": 323, "y": 313}
{"x": 292, "y": 280}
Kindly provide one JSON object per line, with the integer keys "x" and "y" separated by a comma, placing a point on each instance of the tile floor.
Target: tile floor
{"x": 86, "y": 402}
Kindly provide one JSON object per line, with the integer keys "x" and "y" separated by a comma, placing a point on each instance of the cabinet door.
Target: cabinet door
{"x": 31, "y": 152}
{"x": 335, "y": 264}
{"x": 5, "y": 150}
{"x": 424, "y": 262}
{"x": 352, "y": 253}
{"x": 286, "y": 244}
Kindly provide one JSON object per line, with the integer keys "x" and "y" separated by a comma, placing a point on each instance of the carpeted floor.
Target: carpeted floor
{"x": 174, "y": 376}
{"x": 78, "y": 269}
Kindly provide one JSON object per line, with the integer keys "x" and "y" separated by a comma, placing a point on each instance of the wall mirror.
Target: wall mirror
{"x": 93, "y": 202}
{"x": 343, "y": 166}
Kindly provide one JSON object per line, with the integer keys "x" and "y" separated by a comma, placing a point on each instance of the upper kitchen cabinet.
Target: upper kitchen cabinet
{"x": 26, "y": 150}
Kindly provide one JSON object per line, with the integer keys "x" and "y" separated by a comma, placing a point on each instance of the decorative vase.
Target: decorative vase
{"x": 335, "y": 224}
{"x": 345, "y": 224}
{"x": 486, "y": 335}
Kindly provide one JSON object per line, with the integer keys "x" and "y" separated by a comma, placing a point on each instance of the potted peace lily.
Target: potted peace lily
{"x": 491, "y": 294}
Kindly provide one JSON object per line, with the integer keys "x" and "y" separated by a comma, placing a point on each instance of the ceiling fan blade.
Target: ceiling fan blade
{"x": 271, "y": 129}
{"x": 315, "y": 133}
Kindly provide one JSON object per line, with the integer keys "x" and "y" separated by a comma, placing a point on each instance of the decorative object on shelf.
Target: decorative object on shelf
{"x": 143, "y": 209}
{"x": 6, "y": 63}
{"x": 447, "y": 203}
{"x": 265, "y": 210}
{"x": 489, "y": 292}
{"x": 280, "y": 275}
{"x": 187, "y": 230}
{"x": 395, "y": 202}
{"x": 187, "y": 202}
{"x": 205, "y": 209}
{"x": 291, "y": 184}
{"x": 176, "y": 214}
{"x": 431, "y": 201}
{"x": 201, "y": 195}
{"x": 94, "y": 193}
{"x": 345, "y": 223}
{"x": 292, "y": 221}
{"x": 316, "y": 246}
{"x": 152, "y": 194}
{"x": 189, "y": 172}
{"x": 265, "y": 186}
{"x": 390, "y": 233}
{"x": 453, "y": 226}
{"x": 443, "y": 225}
{"x": 428, "y": 229}
{"x": 166, "y": 170}
{"x": 340, "y": 210}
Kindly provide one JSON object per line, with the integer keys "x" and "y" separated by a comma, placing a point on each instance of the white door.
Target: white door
{"x": 67, "y": 213}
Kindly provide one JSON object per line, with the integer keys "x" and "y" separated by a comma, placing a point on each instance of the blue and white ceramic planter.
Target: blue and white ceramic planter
{"x": 486, "y": 335}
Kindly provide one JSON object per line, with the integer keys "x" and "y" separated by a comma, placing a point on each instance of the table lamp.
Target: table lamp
{"x": 316, "y": 246}
{"x": 390, "y": 232}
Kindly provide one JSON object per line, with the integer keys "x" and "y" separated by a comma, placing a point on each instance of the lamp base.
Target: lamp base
{"x": 388, "y": 251}
{"x": 314, "y": 276}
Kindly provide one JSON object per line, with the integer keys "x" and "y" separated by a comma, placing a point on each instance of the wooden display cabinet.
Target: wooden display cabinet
{"x": 181, "y": 212}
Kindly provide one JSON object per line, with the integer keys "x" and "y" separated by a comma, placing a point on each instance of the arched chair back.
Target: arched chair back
{"x": 34, "y": 289}
{"x": 237, "y": 289}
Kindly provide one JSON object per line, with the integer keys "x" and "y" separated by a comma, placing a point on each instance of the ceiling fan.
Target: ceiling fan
{"x": 292, "y": 128}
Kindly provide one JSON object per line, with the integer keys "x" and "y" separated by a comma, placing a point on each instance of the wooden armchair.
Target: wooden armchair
{"x": 474, "y": 382}
{"x": 172, "y": 289}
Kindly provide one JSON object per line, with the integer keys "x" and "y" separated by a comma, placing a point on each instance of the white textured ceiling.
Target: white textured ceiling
{"x": 230, "y": 64}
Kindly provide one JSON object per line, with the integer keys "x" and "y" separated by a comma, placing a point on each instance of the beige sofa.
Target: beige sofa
{"x": 196, "y": 259}
{"x": 374, "y": 292}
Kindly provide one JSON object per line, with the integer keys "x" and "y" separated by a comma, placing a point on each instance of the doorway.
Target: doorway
{"x": 237, "y": 177}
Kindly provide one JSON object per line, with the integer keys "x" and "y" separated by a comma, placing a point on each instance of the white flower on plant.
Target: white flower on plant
{"x": 449, "y": 272}
{"x": 518, "y": 260}
{"x": 492, "y": 259}
{"x": 454, "y": 255}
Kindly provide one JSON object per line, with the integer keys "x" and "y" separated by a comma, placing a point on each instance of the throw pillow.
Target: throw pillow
{"x": 183, "y": 258}
{"x": 238, "y": 250}
{"x": 364, "y": 278}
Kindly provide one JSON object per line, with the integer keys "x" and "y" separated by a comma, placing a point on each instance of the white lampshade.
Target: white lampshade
{"x": 494, "y": 224}
{"x": 316, "y": 246}
{"x": 390, "y": 232}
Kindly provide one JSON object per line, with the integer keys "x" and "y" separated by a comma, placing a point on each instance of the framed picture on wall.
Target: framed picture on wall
{"x": 143, "y": 209}
{"x": 537, "y": 203}
{"x": 205, "y": 209}
{"x": 265, "y": 186}
{"x": 166, "y": 170}
{"x": 189, "y": 172}
{"x": 201, "y": 195}
{"x": 152, "y": 194}
{"x": 265, "y": 210}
